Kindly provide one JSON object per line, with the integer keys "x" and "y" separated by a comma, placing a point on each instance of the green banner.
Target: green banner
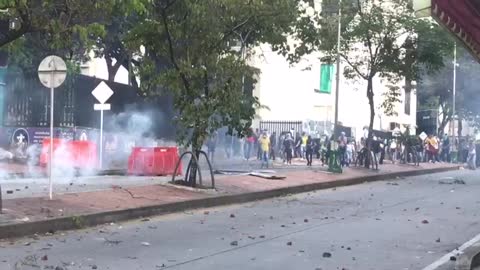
{"x": 326, "y": 77}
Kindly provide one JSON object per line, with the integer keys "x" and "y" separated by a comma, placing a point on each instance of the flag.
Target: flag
{"x": 326, "y": 76}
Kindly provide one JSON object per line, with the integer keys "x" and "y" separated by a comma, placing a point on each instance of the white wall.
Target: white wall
{"x": 289, "y": 93}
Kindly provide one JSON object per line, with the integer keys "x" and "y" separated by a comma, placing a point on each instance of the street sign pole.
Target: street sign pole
{"x": 50, "y": 170}
{"x": 101, "y": 139}
{"x": 102, "y": 93}
{"x": 101, "y": 108}
{"x": 52, "y": 72}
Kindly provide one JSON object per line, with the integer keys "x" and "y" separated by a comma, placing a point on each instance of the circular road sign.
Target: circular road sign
{"x": 52, "y": 71}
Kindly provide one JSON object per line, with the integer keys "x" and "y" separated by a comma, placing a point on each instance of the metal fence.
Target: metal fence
{"x": 281, "y": 126}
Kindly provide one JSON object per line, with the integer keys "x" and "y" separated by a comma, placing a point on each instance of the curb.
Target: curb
{"x": 470, "y": 259}
{"x": 90, "y": 220}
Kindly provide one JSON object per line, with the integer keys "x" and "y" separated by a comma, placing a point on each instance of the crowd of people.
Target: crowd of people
{"x": 289, "y": 145}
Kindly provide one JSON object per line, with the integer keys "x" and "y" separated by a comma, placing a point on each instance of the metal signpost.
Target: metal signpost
{"x": 102, "y": 93}
{"x": 52, "y": 73}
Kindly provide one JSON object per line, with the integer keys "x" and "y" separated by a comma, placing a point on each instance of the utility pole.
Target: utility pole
{"x": 337, "y": 82}
{"x": 454, "y": 94}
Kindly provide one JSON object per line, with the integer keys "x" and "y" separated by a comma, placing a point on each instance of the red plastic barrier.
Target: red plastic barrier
{"x": 84, "y": 154}
{"x": 44, "y": 154}
{"x": 76, "y": 154}
{"x": 153, "y": 161}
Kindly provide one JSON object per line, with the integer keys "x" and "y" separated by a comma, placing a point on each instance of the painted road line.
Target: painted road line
{"x": 455, "y": 253}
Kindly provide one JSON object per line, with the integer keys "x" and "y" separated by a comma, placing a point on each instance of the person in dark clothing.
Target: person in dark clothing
{"x": 298, "y": 146}
{"x": 257, "y": 145}
{"x": 211, "y": 145}
{"x": 288, "y": 144}
{"x": 317, "y": 148}
{"x": 376, "y": 148}
{"x": 342, "y": 149}
{"x": 309, "y": 150}
{"x": 273, "y": 145}
{"x": 445, "y": 156}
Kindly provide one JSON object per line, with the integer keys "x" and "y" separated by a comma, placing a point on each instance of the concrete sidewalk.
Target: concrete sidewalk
{"x": 25, "y": 216}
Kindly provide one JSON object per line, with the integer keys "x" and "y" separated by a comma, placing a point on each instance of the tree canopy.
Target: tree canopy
{"x": 189, "y": 52}
{"x": 379, "y": 39}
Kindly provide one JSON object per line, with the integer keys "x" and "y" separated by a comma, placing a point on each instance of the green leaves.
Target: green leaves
{"x": 189, "y": 52}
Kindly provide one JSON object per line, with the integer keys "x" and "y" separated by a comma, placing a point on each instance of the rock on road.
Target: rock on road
{"x": 403, "y": 224}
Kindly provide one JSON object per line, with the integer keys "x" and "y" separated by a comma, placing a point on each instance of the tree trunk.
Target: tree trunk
{"x": 446, "y": 118}
{"x": 372, "y": 109}
{"x": 197, "y": 143}
{"x": 372, "y": 117}
{"x": 111, "y": 68}
{"x": 460, "y": 152}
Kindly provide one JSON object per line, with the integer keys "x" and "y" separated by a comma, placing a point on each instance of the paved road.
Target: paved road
{"x": 405, "y": 224}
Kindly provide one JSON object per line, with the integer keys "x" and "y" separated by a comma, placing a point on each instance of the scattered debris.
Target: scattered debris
{"x": 438, "y": 240}
{"x": 112, "y": 242}
{"x": 146, "y": 244}
{"x": 267, "y": 176}
{"x": 305, "y": 220}
{"x": 327, "y": 255}
{"x": 59, "y": 268}
{"x": 289, "y": 243}
{"x": 283, "y": 226}
{"x": 451, "y": 181}
{"x": 234, "y": 243}
{"x": 262, "y": 236}
{"x": 271, "y": 217}
{"x": 349, "y": 248}
{"x": 152, "y": 227}
{"x": 425, "y": 221}
{"x": 392, "y": 184}
{"x": 206, "y": 212}
{"x": 9, "y": 191}
{"x": 145, "y": 219}
{"x": 45, "y": 258}
{"x": 232, "y": 216}
{"x": 458, "y": 208}
{"x": 418, "y": 208}
{"x": 251, "y": 237}
{"x": 453, "y": 258}
{"x": 94, "y": 267}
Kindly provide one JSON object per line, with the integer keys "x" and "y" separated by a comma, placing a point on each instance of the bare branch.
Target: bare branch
{"x": 353, "y": 66}
{"x": 185, "y": 81}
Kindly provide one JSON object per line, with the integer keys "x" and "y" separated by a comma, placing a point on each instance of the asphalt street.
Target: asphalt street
{"x": 404, "y": 224}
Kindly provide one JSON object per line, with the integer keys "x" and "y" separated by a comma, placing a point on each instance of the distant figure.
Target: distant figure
{"x": 310, "y": 146}
{"x": 257, "y": 145}
{"x": 273, "y": 145}
{"x": 472, "y": 156}
{"x": 350, "y": 150}
{"x": 264, "y": 144}
{"x": 342, "y": 148}
{"x": 432, "y": 148}
{"x": 288, "y": 148}
{"x": 249, "y": 146}
{"x": 298, "y": 146}
{"x": 303, "y": 146}
{"x": 211, "y": 145}
{"x": 445, "y": 155}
